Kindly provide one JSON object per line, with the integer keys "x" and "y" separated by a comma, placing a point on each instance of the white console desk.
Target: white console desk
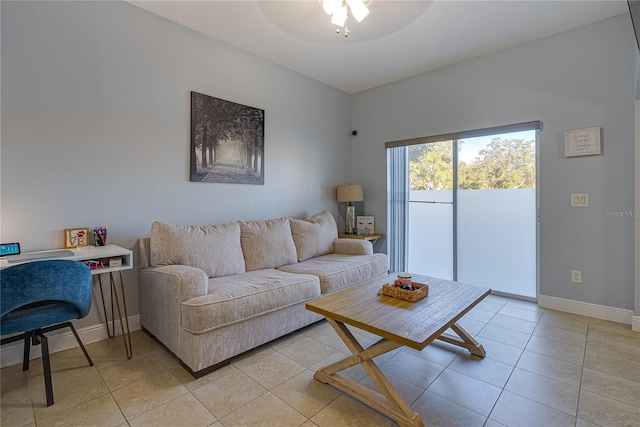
{"x": 86, "y": 254}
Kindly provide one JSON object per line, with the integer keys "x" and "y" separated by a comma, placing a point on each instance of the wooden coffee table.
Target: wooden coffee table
{"x": 399, "y": 323}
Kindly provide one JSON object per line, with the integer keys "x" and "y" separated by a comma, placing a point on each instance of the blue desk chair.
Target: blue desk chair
{"x": 39, "y": 297}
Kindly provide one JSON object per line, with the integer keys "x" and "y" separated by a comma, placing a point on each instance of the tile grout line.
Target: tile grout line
{"x": 503, "y": 388}
{"x": 450, "y": 362}
{"x": 584, "y": 355}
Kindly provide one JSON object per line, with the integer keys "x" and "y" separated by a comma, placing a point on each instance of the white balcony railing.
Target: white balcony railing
{"x": 496, "y": 238}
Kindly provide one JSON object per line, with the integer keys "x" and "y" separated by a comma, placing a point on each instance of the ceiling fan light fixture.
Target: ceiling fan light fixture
{"x": 358, "y": 9}
{"x": 339, "y": 16}
{"x": 339, "y": 11}
{"x": 331, "y": 6}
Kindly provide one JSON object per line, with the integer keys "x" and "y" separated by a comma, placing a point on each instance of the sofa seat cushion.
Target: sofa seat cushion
{"x": 337, "y": 271}
{"x": 236, "y": 298}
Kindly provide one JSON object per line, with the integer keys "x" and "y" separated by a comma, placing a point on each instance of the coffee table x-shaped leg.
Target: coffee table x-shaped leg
{"x": 389, "y": 403}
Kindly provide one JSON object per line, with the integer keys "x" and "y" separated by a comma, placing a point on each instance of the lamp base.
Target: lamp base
{"x": 350, "y": 219}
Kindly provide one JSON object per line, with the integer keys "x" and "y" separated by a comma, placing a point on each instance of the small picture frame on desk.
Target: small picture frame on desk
{"x": 76, "y": 237}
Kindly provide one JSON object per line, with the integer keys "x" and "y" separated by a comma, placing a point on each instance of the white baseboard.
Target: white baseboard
{"x": 635, "y": 324}
{"x": 587, "y": 309}
{"x": 11, "y": 354}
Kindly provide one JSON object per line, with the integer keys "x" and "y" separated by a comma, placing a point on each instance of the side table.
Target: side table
{"x": 373, "y": 238}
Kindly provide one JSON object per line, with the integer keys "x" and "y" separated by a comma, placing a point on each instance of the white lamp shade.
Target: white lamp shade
{"x": 350, "y": 193}
{"x": 358, "y": 9}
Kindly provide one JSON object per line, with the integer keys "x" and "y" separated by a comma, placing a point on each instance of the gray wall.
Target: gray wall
{"x": 581, "y": 78}
{"x": 95, "y": 131}
{"x": 636, "y": 323}
{"x": 637, "y": 172}
{"x": 96, "y": 127}
{"x": 638, "y": 79}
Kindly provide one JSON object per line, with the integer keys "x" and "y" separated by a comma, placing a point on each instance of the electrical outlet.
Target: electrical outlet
{"x": 576, "y": 276}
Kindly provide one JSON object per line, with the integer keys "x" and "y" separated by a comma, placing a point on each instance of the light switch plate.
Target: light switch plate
{"x": 580, "y": 200}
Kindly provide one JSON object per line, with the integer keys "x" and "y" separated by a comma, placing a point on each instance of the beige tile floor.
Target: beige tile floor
{"x": 543, "y": 368}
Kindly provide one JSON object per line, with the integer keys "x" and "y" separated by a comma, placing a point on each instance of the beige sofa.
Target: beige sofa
{"x": 209, "y": 293}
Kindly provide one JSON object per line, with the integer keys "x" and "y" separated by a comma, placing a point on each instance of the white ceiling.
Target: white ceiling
{"x": 398, "y": 39}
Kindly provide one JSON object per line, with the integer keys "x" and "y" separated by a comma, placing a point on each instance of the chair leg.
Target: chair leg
{"x": 27, "y": 351}
{"x": 25, "y": 338}
{"x": 46, "y": 366}
{"x": 75, "y": 334}
{"x": 36, "y": 337}
{"x": 84, "y": 350}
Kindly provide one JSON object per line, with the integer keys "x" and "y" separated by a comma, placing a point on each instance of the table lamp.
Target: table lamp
{"x": 350, "y": 193}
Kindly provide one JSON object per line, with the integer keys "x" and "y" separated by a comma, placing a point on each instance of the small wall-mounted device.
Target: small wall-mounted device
{"x": 9, "y": 249}
{"x": 354, "y": 132}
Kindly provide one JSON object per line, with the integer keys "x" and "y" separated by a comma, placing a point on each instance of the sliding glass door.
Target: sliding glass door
{"x": 431, "y": 244}
{"x": 472, "y": 211}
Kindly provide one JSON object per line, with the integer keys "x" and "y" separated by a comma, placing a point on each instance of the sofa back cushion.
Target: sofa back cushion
{"x": 267, "y": 243}
{"x": 212, "y": 248}
{"x": 314, "y": 236}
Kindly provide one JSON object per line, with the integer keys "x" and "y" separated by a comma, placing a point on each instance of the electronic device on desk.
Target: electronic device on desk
{"x": 34, "y": 256}
{"x": 12, "y": 253}
{"x": 9, "y": 249}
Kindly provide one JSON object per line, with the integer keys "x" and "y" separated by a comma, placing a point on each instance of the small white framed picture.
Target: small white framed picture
{"x": 582, "y": 142}
{"x": 365, "y": 224}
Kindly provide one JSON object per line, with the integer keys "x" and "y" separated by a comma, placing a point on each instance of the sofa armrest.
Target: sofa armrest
{"x": 352, "y": 247}
{"x": 161, "y": 293}
{"x": 183, "y": 282}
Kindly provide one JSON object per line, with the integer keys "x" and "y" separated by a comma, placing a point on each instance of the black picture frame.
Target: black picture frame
{"x": 227, "y": 141}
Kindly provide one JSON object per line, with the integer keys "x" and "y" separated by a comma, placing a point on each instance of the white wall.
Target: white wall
{"x": 96, "y": 122}
{"x": 577, "y": 79}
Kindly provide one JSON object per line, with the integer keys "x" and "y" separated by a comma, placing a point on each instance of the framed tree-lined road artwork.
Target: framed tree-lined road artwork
{"x": 227, "y": 141}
